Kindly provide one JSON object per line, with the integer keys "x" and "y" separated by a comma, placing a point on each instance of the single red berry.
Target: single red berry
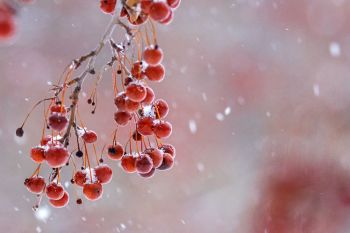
{"x": 162, "y": 129}
{"x": 144, "y": 164}
{"x": 103, "y": 173}
{"x": 89, "y": 136}
{"x": 168, "y": 19}
{"x": 159, "y": 11}
{"x": 54, "y": 191}
{"x": 167, "y": 148}
{"x": 58, "y": 109}
{"x": 131, "y": 106}
{"x": 155, "y": 73}
{"x": 108, "y": 6}
{"x": 56, "y": 156}
{"x": 62, "y": 202}
{"x": 35, "y": 184}
{"x": 168, "y": 162}
{"x": 173, "y": 3}
{"x": 156, "y": 155}
{"x": 161, "y": 108}
{"x": 146, "y": 5}
{"x": 115, "y": 152}
{"x": 153, "y": 55}
{"x": 120, "y": 101}
{"x": 58, "y": 121}
{"x": 93, "y": 192}
{"x": 145, "y": 126}
{"x": 122, "y": 118}
{"x": 128, "y": 163}
{"x": 7, "y": 22}
{"x": 37, "y": 154}
{"x": 149, "y": 174}
{"x": 136, "y": 92}
{"x": 80, "y": 178}
{"x": 149, "y": 96}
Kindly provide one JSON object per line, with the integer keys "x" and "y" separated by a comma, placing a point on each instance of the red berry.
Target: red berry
{"x": 54, "y": 191}
{"x": 93, "y": 192}
{"x": 144, "y": 164}
{"x": 37, "y": 154}
{"x": 35, "y": 184}
{"x": 159, "y": 11}
{"x": 7, "y": 24}
{"x": 136, "y": 92}
{"x": 167, "y": 148}
{"x": 103, "y": 173}
{"x": 56, "y": 156}
{"x": 155, "y": 73}
{"x": 136, "y": 70}
{"x": 162, "y": 129}
{"x": 120, "y": 101}
{"x": 115, "y": 152}
{"x": 58, "y": 109}
{"x": 173, "y": 3}
{"x": 108, "y": 6}
{"x": 146, "y": 5}
{"x": 80, "y": 178}
{"x": 149, "y": 174}
{"x": 122, "y": 118}
{"x": 136, "y": 136}
{"x": 62, "y": 202}
{"x": 168, "y": 162}
{"x": 153, "y": 55}
{"x": 131, "y": 106}
{"x": 128, "y": 163}
{"x": 145, "y": 126}
{"x": 156, "y": 156}
{"x": 149, "y": 96}
{"x": 161, "y": 108}
{"x": 168, "y": 19}
{"x": 89, "y": 136}
{"x": 58, "y": 121}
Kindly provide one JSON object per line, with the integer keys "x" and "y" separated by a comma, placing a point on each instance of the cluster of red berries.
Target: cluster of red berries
{"x": 160, "y": 11}
{"x": 137, "y": 107}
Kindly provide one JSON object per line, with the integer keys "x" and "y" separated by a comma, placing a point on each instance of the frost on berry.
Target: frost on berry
{"x": 138, "y": 126}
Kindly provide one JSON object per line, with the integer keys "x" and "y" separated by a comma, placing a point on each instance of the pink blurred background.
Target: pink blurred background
{"x": 260, "y": 103}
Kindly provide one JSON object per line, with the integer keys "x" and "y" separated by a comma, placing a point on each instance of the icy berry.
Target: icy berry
{"x": 162, "y": 129}
{"x": 45, "y": 140}
{"x": 62, "y": 202}
{"x": 128, "y": 163}
{"x": 89, "y": 136}
{"x": 155, "y": 73}
{"x": 161, "y": 108}
{"x": 35, "y": 184}
{"x": 159, "y": 11}
{"x": 131, "y": 106}
{"x": 173, "y": 3}
{"x": 54, "y": 191}
{"x": 93, "y": 192}
{"x": 149, "y": 96}
{"x": 168, "y": 19}
{"x": 58, "y": 121}
{"x": 167, "y": 148}
{"x": 144, "y": 164}
{"x": 115, "y": 152}
{"x": 145, "y": 126}
{"x": 120, "y": 101}
{"x": 136, "y": 92}
{"x": 122, "y": 118}
{"x": 145, "y": 5}
{"x": 168, "y": 162}
{"x": 37, "y": 154}
{"x": 103, "y": 173}
{"x": 108, "y": 6}
{"x": 56, "y": 156}
{"x": 80, "y": 178}
{"x": 149, "y": 174}
{"x": 156, "y": 155}
{"x": 153, "y": 55}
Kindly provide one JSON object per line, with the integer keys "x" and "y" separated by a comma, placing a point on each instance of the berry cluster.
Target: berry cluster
{"x": 136, "y": 63}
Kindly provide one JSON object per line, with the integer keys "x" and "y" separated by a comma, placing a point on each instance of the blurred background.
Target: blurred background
{"x": 260, "y": 103}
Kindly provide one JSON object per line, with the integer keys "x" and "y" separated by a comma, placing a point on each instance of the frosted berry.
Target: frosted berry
{"x": 37, "y": 154}
{"x": 80, "y": 178}
{"x": 120, "y": 101}
{"x": 149, "y": 96}
{"x": 173, "y": 3}
{"x": 159, "y": 11}
{"x": 168, "y": 162}
{"x": 58, "y": 121}
{"x": 153, "y": 55}
{"x": 136, "y": 92}
{"x": 145, "y": 126}
{"x": 108, "y": 6}
{"x": 155, "y": 73}
{"x": 56, "y": 156}
{"x": 89, "y": 136}
{"x": 93, "y": 192}
{"x": 161, "y": 108}
{"x": 168, "y": 19}
{"x": 144, "y": 163}
{"x": 167, "y": 148}
{"x": 156, "y": 155}
{"x": 62, "y": 202}
{"x": 54, "y": 191}
{"x": 162, "y": 129}
{"x": 131, "y": 106}
{"x": 115, "y": 152}
{"x": 35, "y": 184}
{"x": 103, "y": 173}
{"x": 122, "y": 118}
{"x": 128, "y": 163}
{"x": 149, "y": 174}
